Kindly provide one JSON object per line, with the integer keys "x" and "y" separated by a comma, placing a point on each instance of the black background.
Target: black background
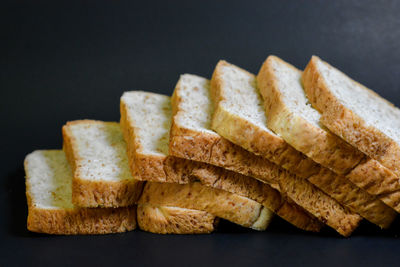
{"x": 66, "y": 61}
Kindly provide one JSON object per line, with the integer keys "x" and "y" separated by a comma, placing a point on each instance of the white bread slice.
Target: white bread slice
{"x": 96, "y": 152}
{"x": 290, "y": 116}
{"x": 232, "y": 207}
{"x": 145, "y": 122}
{"x": 50, "y": 208}
{"x": 355, "y": 113}
{"x": 173, "y": 220}
{"x": 192, "y": 138}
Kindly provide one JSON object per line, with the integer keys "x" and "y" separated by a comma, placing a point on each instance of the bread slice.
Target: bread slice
{"x": 192, "y": 138}
{"x": 232, "y": 207}
{"x": 145, "y": 121}
{"x": 355, "y": 113}
{"x": 290, "y": 116}
{"x": 358, "y": 115}
{"x": 96, "y": 151}
{"x": 50, "y": 207}
{"x": 173, "y": 220}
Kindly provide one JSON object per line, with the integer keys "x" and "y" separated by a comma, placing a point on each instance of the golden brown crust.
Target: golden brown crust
{"x": 236, "y": 183}
{"x": 323, "y": 147}
{"x": 346, "y": 124}
{"x": 232, "y": 207}
{"x": 89, "y": 193}
{"x": 81, "y": 220}
{"x": 173, "y": 220}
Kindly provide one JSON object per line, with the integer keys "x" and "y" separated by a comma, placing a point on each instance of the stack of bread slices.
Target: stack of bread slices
{"x": 313, "y": 147}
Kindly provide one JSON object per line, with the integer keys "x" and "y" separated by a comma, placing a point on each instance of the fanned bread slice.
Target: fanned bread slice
{"x": 50, "y": 208}
{"x": 96, "y": 152}
{"x": 355, "y": 113}
{"x": 232, "y": 207}
{"x": 192, "y": 138}
{"x": 146, "y": 128}
{"x": 145, "y": 122}
{"x": 173, "y": 220}
{"x": 290, "y": 116}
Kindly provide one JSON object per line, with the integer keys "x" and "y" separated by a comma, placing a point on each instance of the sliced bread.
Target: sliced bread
{"x": 173, "y": 220}
{"x": 96, "y": 152}
{"x": 192, "y": 138}
{"x": 146, "y": 129}
{"x": 145, "y": 122}
{"x": 290, "y": 116}
{"x": 232, "y": 207}
{"x": 219, "y": 178}
{"x": 50, "y": 207}
{"x": 355, "y": 113}
{"x": 307, "y": 134}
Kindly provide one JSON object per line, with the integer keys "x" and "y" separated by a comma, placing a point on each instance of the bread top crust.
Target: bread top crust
{"x": 363, "y": 119}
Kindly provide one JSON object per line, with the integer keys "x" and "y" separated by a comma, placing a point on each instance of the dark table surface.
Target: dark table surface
{"x": 66, "y": 61}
